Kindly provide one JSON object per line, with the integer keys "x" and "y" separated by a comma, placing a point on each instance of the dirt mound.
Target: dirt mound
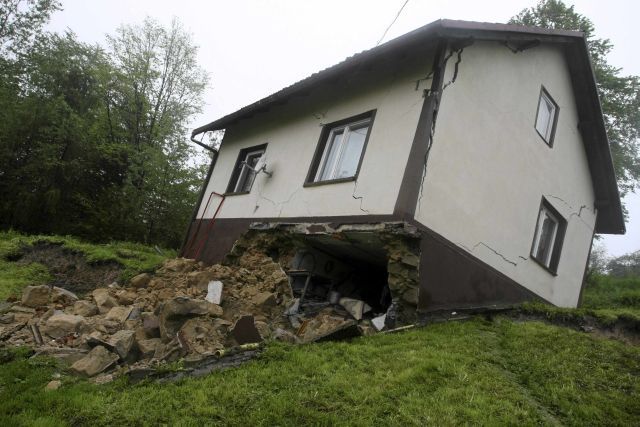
{"x": 69, "y": 269}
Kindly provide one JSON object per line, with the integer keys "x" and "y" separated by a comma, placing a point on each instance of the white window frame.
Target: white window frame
{"x": 245, "y": 174}
{"x": 548, "y": 132}
{"x": 342, "y": 145}
{"x": 550, "y": 258}
{"x": 544, "y": 213}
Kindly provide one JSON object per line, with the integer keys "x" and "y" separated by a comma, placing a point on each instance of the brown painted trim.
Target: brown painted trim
{"x": 322, "y": 143}
{"x": 226, "y": 231}
{"x": 479, "y": 262}
{"x": 236, "y": 169}
{"x": 329, "y": 181}
{"x": 586, "y": 268}
{"x": 556, "y": 113}
{"x": 408, "y": 194}
{"x": 199, "y": 202}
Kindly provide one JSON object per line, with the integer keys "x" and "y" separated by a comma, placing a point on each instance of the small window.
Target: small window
{"x": 547, "y": 242}
{"x": 547, "y": 117}
{"x": 340, "y": 150}
{"x": 244, "y": 172}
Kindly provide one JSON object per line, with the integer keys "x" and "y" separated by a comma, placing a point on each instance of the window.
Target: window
{"x": 547, "y": 241}
{"x": 340, "y": 150}
{"x": 244, "y": 173}
{"x": 547, "y": 117}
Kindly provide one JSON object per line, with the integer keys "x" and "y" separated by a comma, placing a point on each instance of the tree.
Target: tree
{"x": 619, "y": 95}
{"x": 21, "y": 21}
{"x": 156, "y": 88}
{"x": 627, "y": 265}
{"x": 93, "y": 142}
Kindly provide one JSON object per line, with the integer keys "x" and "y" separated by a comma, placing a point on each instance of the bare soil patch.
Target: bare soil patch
{"x": 69, "y": 269}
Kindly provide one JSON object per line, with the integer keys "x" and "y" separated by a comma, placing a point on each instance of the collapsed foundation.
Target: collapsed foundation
{"x": 297, "y": 283}
{"x": 373, "y": 264}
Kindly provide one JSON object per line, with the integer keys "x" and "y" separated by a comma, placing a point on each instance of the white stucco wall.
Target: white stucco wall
{"x": 488, "y": 168}
{"x": 292, "y": 132}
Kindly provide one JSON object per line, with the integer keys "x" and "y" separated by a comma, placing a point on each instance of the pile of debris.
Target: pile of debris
{"x": 185, "y": 310}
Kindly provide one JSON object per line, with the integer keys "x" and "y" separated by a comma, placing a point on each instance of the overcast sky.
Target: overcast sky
{"x": 254, "y": 48}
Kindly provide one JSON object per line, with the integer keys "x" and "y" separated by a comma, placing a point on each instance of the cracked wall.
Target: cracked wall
{"x": 292, "y": 132}
{"x": 489, "y": 169}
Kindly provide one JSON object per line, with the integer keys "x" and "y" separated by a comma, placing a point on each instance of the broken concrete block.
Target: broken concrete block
{"x": 7, "y": 318}
{"x": 104, "y": 300}
{"x": 85, "y": 308}
{"x": 178, "y": 310}
{"x": 214, "y": 292}
{"x": 265, "y": 300}
{"x": 122, "y": 341}
{"x": 410, "y": 296}
{"x": 151, "y": 325}
{"x": 148, "y": 347}
{"x": 126, "y": 297}
{"x": 169, "y": 352}
{"x": 244, "y": 331}
{"x": 411, "y": 260}
{"x": 140, "y": 281}
{"x": 63, "y": 296}
{"x": 354, "y": 307}
{"x": 378, "y": 322}
{"x": 201, "y": 335}
{"x": 36, "y": 296}
{"x": 98, "y": 360}
{"x": 263, "y": 329}
{"x": 53, "y": 385}
{"x": 284, "y": 336}
{"x": 179, "y": 264}
{"x": 64, "y": 354}
{"x": 119, "y": 313}
{"x": 62, "y": 324}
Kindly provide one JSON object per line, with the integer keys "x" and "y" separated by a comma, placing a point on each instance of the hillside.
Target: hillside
{"x": 503, "y": 369}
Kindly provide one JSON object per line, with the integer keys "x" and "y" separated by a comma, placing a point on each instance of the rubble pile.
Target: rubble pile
{"x": 190, "y": 311}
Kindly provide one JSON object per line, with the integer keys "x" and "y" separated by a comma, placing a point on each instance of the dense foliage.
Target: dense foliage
{"x": 619, "y": 95}
{"x": 92, "y": 139}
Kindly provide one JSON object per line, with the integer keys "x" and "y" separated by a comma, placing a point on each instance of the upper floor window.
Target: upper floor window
{"x": 547, "y": 117}
{"x": 340, "y": 150}
{"x": 548, "y": 238}
{"x": 244, "y": 172}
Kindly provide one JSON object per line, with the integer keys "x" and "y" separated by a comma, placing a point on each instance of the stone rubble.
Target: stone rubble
{"x": 168, "y": 315}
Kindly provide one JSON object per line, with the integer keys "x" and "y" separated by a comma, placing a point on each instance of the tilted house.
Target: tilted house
{"x": 487, "y": 139}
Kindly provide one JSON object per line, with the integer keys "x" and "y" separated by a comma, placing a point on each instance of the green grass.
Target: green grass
{"x": 445, "y": 374}
{"x": 612, "y": 292}
{"x": 606, "y": 299}
{"x": 134, "y": 258}
{"x": 14, "y": 277}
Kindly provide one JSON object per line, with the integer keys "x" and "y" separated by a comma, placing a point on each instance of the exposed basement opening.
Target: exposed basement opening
{"x": 361, "y": 271}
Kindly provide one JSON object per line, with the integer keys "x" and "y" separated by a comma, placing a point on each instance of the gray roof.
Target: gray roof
{"x": 610, "y": 218}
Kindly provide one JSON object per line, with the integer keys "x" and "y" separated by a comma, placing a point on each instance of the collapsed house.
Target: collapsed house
{"x": 485, "y": 143}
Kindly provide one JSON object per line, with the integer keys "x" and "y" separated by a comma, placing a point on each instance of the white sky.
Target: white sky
{"x": 252, "y": 48}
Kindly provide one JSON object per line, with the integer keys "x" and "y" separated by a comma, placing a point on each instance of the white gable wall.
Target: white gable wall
{"x": 488, "y": 168}
{"x": 292, "y": 132}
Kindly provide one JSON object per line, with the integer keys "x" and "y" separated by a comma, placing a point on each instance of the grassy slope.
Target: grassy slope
{"x": 607, "y": 299}
{"x": 446, "y": 374}
{"x": 133, "y": 257}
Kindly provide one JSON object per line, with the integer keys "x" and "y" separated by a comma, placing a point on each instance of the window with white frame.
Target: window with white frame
{"x": 546, "y": 117}
{"x": 340, "y": 149}
{"x": 548, "y": 238}
{"x": 244, "y": 172}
